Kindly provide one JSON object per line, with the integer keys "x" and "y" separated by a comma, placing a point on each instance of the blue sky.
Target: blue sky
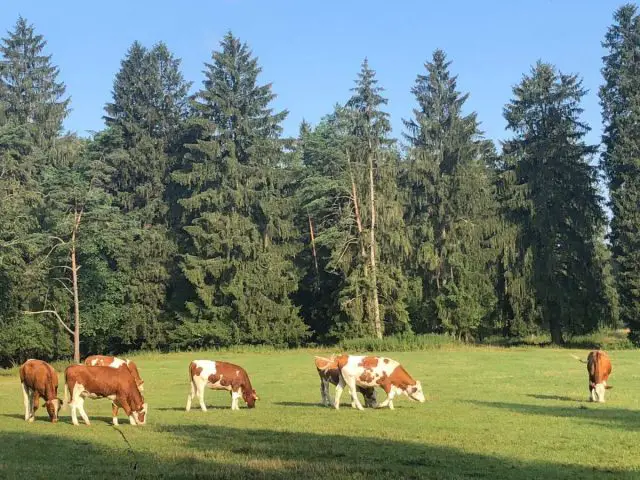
{"x": 312, "y": 51}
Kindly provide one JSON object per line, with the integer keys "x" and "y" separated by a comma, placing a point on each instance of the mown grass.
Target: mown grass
{"x": 491, "y": 413}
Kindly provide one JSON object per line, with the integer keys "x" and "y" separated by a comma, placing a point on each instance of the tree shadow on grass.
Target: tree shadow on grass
{"x": 602, "y": 415}
{"x": 232, "y": 453}
{"x": 557, "y": 397}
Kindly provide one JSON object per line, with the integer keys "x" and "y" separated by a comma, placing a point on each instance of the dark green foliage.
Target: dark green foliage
{"x": 450, "y": 210}
{"x": 239, "y": 221}
{"x": 561, "y": 214}
{"x": 29, "y": 90}
{"x": 620, "y": 100}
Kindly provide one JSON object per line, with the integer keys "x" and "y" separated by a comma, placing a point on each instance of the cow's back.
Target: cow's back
{"x": 40, "y": 376}
{"x": 102, "y": 381}
{"x": 598, "y": 366}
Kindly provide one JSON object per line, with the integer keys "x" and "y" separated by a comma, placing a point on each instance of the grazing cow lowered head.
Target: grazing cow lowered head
{"x": 220, "y": 376}
{"x": 599, "y": 368}
{"x": 368, "y": 371}
{"x": 115, "y": 362}
{"x": 329, "y": 373}
{"x": 39, "y": 379}
{"x": 116, "y": 384}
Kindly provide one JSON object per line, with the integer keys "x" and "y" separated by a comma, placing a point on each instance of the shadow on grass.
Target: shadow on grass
{"x": 193, "y": 408}
{"x": 238, "y": 454}
{"x": 300, "y": 404}
{"x": 558, "y": 397}
{"x": 603, "y": 415}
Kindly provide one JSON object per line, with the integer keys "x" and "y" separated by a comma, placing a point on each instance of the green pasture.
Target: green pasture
{"x": 490, "y": 413}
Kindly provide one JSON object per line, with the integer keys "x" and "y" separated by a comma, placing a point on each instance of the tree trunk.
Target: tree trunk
{"x": 76, "y": 299}
{"x": 556, "y": 332}
{"x": 372, "y": 253}
{"x": 313, "y": 250}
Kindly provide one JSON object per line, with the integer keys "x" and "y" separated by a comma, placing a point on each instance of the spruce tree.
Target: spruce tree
{"x": 241, "y": 240}
{"x": 451, "y": 209}
{"x": 563, "y": 213}
{"x": 620, "y": 100}
{"x": 31, "y": 92}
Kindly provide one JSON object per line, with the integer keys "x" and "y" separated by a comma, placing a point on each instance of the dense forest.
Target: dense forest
{"x": 191, "y": 221}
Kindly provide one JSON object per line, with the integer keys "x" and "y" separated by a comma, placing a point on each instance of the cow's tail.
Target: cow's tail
{"x": 578, "y": 358}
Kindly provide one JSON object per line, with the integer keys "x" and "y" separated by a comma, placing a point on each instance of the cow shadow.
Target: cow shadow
{"x": 300, "y": 404}
{"x": 193, "y": 409}
{"x": 258, "y": 453}
{"x": 600, "y": 414}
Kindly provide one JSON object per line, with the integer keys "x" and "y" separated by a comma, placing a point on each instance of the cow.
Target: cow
{"x": 329, "y": 373}
{"x": 39, "y": 379}
{"x": 115, "y": 362}
{"x": 367, "y": 371}
{"x": 599, "y": 369}
{"x": 116, "y": 384}
{"x": 220, "y": 376}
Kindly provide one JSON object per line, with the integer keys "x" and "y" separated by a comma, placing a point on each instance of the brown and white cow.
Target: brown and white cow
{"x": 39, "y": 379}
{"x": 330, "y": 374}
{"x": 366, "y": 371}
{"x": 220, "y": 376}
{"x": 599, "y": 368}
{"x": 116, "y": 384}
{"x": 115, "y": 362}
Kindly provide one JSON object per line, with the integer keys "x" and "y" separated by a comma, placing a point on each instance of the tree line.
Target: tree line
{"x": 191, "y": 221}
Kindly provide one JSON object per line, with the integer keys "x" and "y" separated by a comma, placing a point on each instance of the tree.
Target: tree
{"x": 236, "y": 212}
{"x": 451, "y": 210}
{"x": 563, "y": 214}
{"x": 620, "y": 100}
{"x": 31, "y": 93}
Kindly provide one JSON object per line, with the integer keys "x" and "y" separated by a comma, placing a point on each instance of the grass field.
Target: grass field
{"x": 490, "y": 413}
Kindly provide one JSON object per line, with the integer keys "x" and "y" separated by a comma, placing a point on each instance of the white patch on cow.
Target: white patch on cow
{"x": 598, "y": 392}
{"x": 28, "y": 403}
{"x": 77, "y": 404}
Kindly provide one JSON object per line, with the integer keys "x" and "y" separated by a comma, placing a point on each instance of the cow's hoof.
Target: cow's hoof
{"x": 31, "y": 419}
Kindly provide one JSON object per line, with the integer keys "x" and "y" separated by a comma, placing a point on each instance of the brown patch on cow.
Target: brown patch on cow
{"x": 366, "y": 377}
{"x": 341, "y": 361}
{"x": 235, "y": 377}
{"x": 42, "y": 379}
{"x": 369, "y": 362}
{"x": 401, "y": 378}
{"x": 108, "y": 360}
{"x": 194, "y": 370}
{"x": 386, "y": 360}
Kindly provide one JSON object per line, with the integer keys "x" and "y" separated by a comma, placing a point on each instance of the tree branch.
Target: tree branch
{"x": 57, "y": 316}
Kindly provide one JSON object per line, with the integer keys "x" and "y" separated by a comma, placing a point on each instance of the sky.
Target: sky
{"x": 312, "y": 51}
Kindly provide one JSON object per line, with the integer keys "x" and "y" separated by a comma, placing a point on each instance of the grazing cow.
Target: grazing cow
{"x": 599, "y": 368}
{"x": 376, "y": 371}
{"x": 220, "y": 376}
{"x": 116, "y": 384}
{"x": 115, "y": 362}
{"x": 39, "y": 379}
{"x": 329, "y": 373}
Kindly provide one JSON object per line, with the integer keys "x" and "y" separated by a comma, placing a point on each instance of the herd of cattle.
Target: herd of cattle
{"x": 119, "y": 380}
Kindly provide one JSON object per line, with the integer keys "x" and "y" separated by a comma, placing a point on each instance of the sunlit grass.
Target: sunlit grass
{"x": 491, "y": 413}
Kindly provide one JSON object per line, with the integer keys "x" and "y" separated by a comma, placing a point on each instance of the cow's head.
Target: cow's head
{"x": 598, "y": 390}
{"x": 250, "y": 397}
{"x": 53, "y": 407}
{"x": 142, "y": 414}
{"x": 414, "y": 392}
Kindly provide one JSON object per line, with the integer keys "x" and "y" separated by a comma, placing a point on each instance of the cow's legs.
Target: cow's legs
{"x": 200, "y": 386}
{"x": 35, "y": 403}
{"x": 28, "y": 404}
{"x": 114, "y": 413}
{"x": 324, "y": 392}
{"x": 77, "y": 405}
{"x": 355, "y": 401}
{"x": 80, "y": 405}
{"x": 235, "y": 397}
{"x": 389, "y": 400}
{"x": 338, "y": 393}
{"x": 191, "y": 395}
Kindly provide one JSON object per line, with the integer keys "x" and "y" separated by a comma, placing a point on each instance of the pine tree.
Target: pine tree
{"x": 31, "y": 92}
{"x": 239, "y": 221}
{"x": 451, "y": 210}
{"x": 620, "y": 100}
{"x": 563, "y": 212}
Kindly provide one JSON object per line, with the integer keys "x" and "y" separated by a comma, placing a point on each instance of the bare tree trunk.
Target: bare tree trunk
{"x": 74, "y": 278}
{"x": 372, "y": 247}
{"x": 313, "y": 248}
{"x": 356, "y": 207}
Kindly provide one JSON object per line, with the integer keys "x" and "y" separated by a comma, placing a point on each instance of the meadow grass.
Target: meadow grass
{"x": 491, "y": 413}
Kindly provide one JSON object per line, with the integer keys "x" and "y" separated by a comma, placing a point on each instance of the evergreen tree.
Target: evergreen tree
{"x": 451, "y": 210}
{"x": 563, "y": 212}
{"x": 620, "y": 100}
{"x": 239, "y": 221}
{"x": 31, "y": 92}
